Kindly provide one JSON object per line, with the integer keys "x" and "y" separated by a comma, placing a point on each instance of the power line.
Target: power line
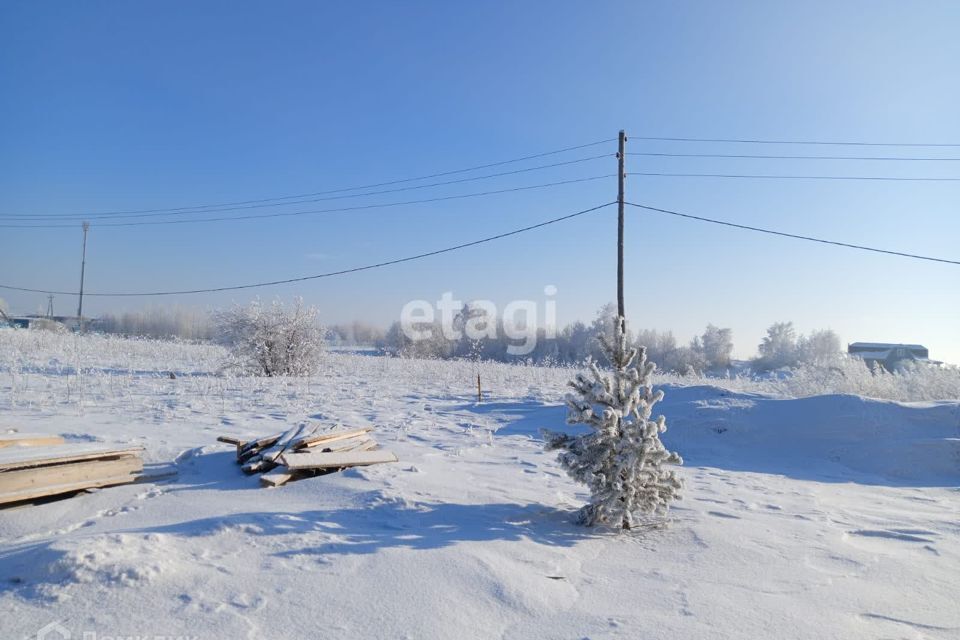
{"x": 28, "y": 217}
{"x": 287, "y": 214}
{"x": 792, "y": 235}
{"x": 786, "y": 177}
{"x": 355, "y": 188}
{"x": 329, "y": 274}
{"x": 811, "y": 142}
{"x": 782, "y": 157}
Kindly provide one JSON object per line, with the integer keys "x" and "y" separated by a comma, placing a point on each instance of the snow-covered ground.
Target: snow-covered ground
{"x": 829, "y": 516}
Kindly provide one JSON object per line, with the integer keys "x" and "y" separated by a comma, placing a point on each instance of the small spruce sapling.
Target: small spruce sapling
{"x": 621, "y": 460}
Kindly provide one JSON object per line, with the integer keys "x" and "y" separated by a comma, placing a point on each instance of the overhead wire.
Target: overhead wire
{"x": 847, "y": 143}
{"x": 286, "y": 214}
{"x": 788, "y": 157}
{"x": 761, "y": 176}
{"x": 354, "y": 188}
{"x": 328, "y": 274}
{"x": 28, "y": 217}
{"x": 791, "y": 235}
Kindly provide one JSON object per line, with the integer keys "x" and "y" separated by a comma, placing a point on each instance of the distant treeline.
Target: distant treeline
{"x": 710, "y": 351}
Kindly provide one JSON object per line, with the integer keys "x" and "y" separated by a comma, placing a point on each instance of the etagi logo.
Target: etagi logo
{"x": 478, "y": 320}
{"x": 56, "y": 631}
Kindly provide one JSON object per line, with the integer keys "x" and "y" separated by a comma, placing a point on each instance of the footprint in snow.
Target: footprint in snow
{"x": 917, "y": 626}
{"x": 905, "y": 535}
{"x": 892, "y": 540}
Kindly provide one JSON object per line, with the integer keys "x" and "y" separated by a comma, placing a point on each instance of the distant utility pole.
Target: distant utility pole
{"x": 621, "y": 156}
{"x": 50, "y": 306}
{"x": 83, "y": 266}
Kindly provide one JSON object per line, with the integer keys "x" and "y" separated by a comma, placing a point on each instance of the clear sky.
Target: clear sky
{"x": 109, "y": 106}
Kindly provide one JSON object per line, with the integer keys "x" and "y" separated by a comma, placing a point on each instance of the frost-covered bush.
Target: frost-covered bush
{"x": 778, "y": 349}
{"x": 48, "y": 324}
{"x": 820, "y": 348}
{"x": 433, "y": 345}
{"x": 272, "y": 340}
{"x": 716, "y": 344}
{"x": 782, "y": 347}
{"x": 621, "y": 460}
{"x": 849, "y": 375}
{"x": 710, "y": 351}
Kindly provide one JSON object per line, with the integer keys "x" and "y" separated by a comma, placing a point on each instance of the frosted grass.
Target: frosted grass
{"x": 176, "y": 379}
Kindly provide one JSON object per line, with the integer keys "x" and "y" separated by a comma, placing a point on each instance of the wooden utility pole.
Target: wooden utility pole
{"x": 83, "y": 266}
{"x": 621, "y": 175}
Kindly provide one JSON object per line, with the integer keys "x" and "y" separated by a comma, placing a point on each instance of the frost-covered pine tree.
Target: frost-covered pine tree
{"x": 621, "y": 460}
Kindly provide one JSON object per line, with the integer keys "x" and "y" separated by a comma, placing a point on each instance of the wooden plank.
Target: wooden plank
{"x": 52, "y": 490}
{"x": 283, "y": 443}
{"x": 277, "y": 478}
{"x": 251, "y": 449}
{"x": 282, "y": 476}
{"x": 256, "y": 464}
{"x": 157, "y": 471}
{"x": 69, "y": 473}
{"x": 229, "y": 440}
{"x": 326, "y": 438}
{"x": 342, "y": 445}
{"x": 266, "y": 459}
{"x": 19, "y": 457}
{"x": 29, "y": 440}
{"x": 319, "y": 433}
{"x": 320, "y": 460}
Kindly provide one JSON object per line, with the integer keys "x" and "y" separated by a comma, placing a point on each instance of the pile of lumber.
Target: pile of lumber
{"x": 35, "y": 466}
{"x": 306, "y": 451}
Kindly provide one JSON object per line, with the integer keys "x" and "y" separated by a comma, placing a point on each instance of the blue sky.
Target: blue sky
{"x": 117, "y": 106}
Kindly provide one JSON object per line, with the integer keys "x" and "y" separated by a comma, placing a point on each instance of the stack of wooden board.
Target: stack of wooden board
{"x": 34, "y": 466}
{"x": 306, "y": 451}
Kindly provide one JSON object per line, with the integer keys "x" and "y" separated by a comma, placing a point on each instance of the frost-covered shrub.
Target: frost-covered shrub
{"x": 782, "y": 347}
{"x": 47, "y": 324}
{"x": 272, "y": 340}
{"x": 778, "y": 349}
{"x": 621, "y": 460}
{"x": 850, "y": 375}
{"x": 716, "y": 344}
{"x": 820, "y": 347}
{"x": 710, "y": 351}
{"x": 431, "y": 345}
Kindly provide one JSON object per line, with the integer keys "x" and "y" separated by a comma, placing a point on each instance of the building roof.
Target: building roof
{"x": 884, "y": 345}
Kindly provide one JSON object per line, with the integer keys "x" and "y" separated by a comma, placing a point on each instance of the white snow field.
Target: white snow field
{"x": 830, "y": 516}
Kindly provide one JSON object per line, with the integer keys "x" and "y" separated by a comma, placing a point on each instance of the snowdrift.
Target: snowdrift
{"x": 831, "y": 437}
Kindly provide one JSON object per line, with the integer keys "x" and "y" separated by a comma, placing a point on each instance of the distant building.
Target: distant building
{"x": 26, "y": 322}
{"x": 20, "y": 322}
{"x": 887, "y": 355}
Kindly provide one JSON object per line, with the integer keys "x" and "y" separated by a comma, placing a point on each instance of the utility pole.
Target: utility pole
{"x": 621, "y": 175}
{"x": 83, "y": 266}
{"x": 50, "y": 306}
